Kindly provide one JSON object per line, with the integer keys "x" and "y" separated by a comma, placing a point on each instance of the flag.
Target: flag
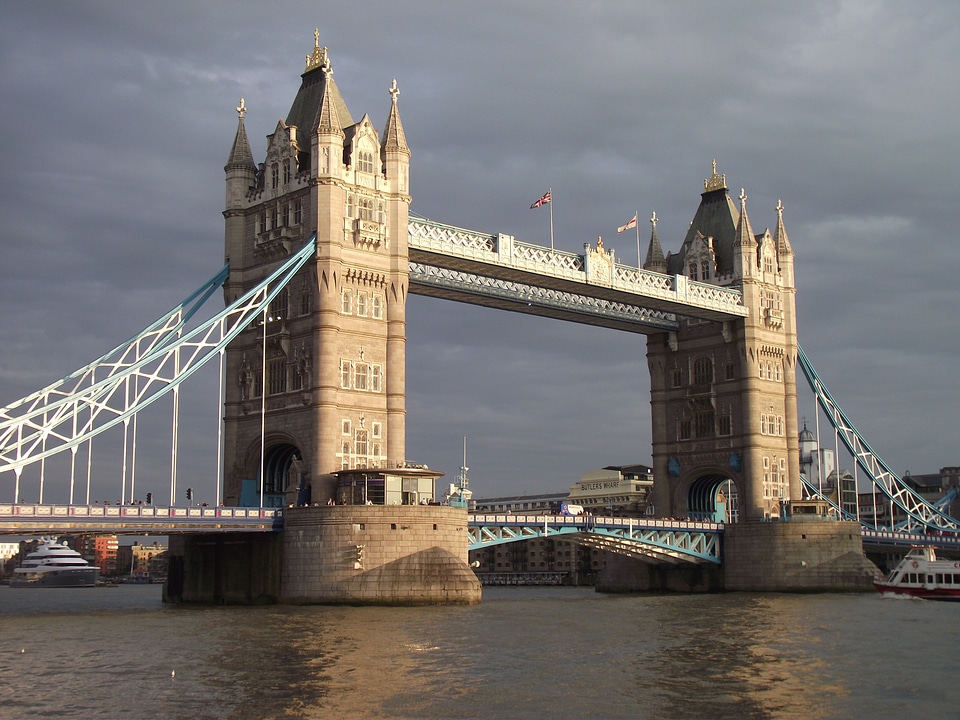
{"x": 542, "y": 201}
{"x": 631, "y": 224}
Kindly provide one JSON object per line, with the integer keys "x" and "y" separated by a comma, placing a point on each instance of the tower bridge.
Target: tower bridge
{"x": 321, "y": 252}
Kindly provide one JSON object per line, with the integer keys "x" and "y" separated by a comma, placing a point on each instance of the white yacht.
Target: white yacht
{"x": 54, "y": 564}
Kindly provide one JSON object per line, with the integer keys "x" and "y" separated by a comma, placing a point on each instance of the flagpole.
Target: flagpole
{"x": 550, "y": 192}
{"x": 639, "y": 259}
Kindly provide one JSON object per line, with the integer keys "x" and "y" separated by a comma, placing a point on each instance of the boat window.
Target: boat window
{"x": 939, "y": 578}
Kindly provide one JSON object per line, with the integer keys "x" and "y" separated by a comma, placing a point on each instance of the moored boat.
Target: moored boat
{"x": 920, "y": 574}
{"x": 54, "y": 564}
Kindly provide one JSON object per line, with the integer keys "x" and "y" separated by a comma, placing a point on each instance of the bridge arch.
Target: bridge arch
{"x": 284, "y": 474}
{"x": 709, "y": 498}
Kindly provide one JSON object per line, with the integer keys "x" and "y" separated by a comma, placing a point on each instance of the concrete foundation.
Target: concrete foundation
{"x": 796, "y": 556}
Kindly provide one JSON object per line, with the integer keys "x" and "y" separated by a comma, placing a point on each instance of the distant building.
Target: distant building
{"x": 143, "y": 560}
{"x": 616, "y": 490}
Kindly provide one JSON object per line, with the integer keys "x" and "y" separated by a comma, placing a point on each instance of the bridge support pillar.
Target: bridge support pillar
{"x": 796, "y": 556}
{"x": 377, "y": 555}
{"x": 338, "y": 554}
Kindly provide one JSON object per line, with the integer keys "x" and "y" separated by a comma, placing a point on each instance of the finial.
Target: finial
{"x": 394, "y": 91}
{"x": 599, "y": 243}
{"x": 715, "y": 182}
{"x": 241, "y": 109}
{"x": 780, "y": 209}
{"x": 653, "y": 219}
{"x": 319, "y": 57}
{"x": 743, "y": 197}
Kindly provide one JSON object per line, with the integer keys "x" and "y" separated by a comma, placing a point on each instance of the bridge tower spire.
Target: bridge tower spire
{"x": 723, "y": 395}
{"x": 318, "y": 386}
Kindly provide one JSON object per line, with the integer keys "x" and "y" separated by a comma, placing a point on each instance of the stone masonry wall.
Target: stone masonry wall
{"x": 371, "y": 554}
{"x": 796, "y": 555}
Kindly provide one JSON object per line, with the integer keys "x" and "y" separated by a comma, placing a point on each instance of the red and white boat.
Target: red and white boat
{"x": 921, "y": 575}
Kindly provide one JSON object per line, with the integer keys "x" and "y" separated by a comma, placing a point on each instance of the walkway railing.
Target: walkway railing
{"x": 134, "y": 519}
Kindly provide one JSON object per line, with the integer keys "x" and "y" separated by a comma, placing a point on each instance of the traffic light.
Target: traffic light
{"x": 149, "y": 498}
{"x": 189, "y": 493}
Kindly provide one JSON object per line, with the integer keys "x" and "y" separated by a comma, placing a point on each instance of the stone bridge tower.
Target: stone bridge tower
{"x": 328, "y": 392}
{"x": 723, "y": 395}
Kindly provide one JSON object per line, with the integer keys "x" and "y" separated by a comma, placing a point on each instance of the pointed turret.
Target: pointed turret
{"x": 780, "y": 237}
{"x": 656, "y": 262}
{"x": 393, "y": 137}
{"x": 394, "y": 152}
{"x": 241, "y": 174}
{"x": 744, "y": 243}
{"x": 717, "y": 218}
{"x": 327, "y": 121}
{"x": 784, "y": 250}
{"x": 240, "y": 156}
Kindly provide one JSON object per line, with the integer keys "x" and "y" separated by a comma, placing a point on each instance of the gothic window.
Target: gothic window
{"x": 346, "y": 428}
{"x": 677, "y": 377}
{"x": 277, "y": 376}
{"x": 262, "y": 222}
{"x": 304, "y": 302}
{"x": 274, "y": 176}
{"x": 702, "y": 370}
{"x": 346, "y": 302}
{"x": 767, "y": 263}
{"x": 377, "y": 430}
{"x": 286, "y": 172}
{"x": 704, "y": 424}
{"x": 286, "y": 214}
{"x": 683, "y": 431}
{"x": 376, "y": 306}
{"x": 279, "y": 308}
{"x": 778, "y": 372}
{"x": 724, "y": 426}
{"x": 731, "y": 371}
{"x": 360, "y": 446}
{"x": 298, "y": 212}
{"x": 375, "y": 453}
{"x": 361, "y": 372}
{"x": 350, "y": 200}
{"x": 380, "y": 214}
{"x": 365, "y": 206}
{"x": 376, "y": 382}
{"x": 361, "y": 303}
{"x": 365, "y": 161}
{"x": 693, "y": 270}
{"x": 275, "y": 217}
{"x": 346, "y": 370}
{"x": 705, "y": 269}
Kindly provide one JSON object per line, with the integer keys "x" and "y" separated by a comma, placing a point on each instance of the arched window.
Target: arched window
{"x": 702, "y": 370}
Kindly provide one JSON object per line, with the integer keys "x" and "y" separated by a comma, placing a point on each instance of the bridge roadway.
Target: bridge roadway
{"x": 669, "y": 541}
{"x": 134, "y": 519}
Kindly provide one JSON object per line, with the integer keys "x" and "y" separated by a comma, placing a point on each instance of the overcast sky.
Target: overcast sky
{"x": 117, "y": 119}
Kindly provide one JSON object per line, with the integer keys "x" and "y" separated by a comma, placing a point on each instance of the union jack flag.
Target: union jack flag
{"x": 542, "y": 201}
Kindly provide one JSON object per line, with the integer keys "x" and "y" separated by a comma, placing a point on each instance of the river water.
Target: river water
{"x": 523, "y": 653}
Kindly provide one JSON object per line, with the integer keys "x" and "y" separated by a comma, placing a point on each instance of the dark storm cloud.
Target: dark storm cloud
{"x": 117, "y": 119}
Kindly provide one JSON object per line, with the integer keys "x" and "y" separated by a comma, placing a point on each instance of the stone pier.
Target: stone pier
{"x": 338, "y": 554}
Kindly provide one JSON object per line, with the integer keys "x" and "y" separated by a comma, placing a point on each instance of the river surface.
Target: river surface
{"x": 523, "y": 653}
